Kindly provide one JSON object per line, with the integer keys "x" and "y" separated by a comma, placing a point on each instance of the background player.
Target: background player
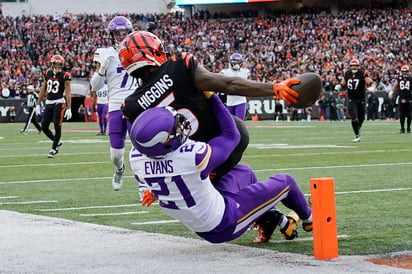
{"x": 356, "y": 80}
{"x": 176, "y": 170}
{"x": 100, "y": 97}
{"x": 32, "y": 98}
{"x": 56, "y": 83}
{"x": 402, "y": 88}
{"x": 120, "y": 85}
{"x": 236, "y": 104}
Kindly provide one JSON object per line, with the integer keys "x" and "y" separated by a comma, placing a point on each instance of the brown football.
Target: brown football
{"x": 309, "y": 89}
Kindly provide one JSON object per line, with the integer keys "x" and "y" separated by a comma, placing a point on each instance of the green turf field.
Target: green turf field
{"x": 373, "y": 180}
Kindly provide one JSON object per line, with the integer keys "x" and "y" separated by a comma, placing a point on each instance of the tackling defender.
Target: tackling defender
{"x": 176, "y": 170}
{"x": 120, "y": 85}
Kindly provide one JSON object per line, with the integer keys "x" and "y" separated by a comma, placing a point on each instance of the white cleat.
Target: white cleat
{"x": 117, "y": 180}
{"x": 356, "y": 139}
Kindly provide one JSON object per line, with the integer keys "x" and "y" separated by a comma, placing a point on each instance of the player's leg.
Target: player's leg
{"x": 402, "y": 116}
{"x": 105, "y": 108}
{"x": 408, "y": 117}
{"x": 99, "y": 115}
{"x": 46, "y": 121}
{"x": 29, "y": 118}
{"x": 353, "y": 112}
{"x": 117, "y": 137}
{"x": 58, "y": 115}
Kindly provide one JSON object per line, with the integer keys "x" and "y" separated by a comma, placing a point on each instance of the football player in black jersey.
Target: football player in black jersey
{"x": 356, "y": 80}
{"x": 55, "y": 83}
{"x": 403, "y": 89}
{"x": 181, "y": 82}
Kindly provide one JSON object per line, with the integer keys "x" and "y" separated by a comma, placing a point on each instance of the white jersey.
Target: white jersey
{"x": 119, "y": 83}
{"x": 233, "y": 100}
{"x": 101, "y": 95}
{"x": 175, "y": 180}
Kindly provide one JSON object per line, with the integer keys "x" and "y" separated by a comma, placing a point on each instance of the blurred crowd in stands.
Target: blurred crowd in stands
{"x": 274, "y": 48}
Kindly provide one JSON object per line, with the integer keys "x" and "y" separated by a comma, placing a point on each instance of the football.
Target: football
{"x": 309, "y": 89}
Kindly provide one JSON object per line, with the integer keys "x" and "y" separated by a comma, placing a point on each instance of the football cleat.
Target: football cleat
{"x": 402, "y": 130}
{"x": 356, "y": 139}
{"x": 59, "y": 145}
{"x": 23, "y": 132}
{"x": 266, "y": 225}
{"x": 52, "y": 153}
{"x": 117, "y": 180}
{"x": 289, "y": 231}
{"x": 308, "y": 227}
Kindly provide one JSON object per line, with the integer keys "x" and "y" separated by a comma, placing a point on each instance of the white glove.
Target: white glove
{"x": 104, "y": 65}
{"x": 338, "y": 87}
{"x": 38, "y": 110}
{"x": 68, "y": 114}
{"x": 371, "y": 89}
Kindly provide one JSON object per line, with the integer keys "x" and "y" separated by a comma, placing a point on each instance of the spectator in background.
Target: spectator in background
{"x": 373, "y": 106}
{"x": 340, "y": 107}
{"x": 278, "y": 111}
{"x": 81, "y": 112}
{"x": 332, "y": 107}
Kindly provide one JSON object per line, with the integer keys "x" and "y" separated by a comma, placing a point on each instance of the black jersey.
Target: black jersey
{"x": 404, "y": 87}
{"x": 172, "y": 85}
{"x": 355, "y": 83}
{"x": 55, "y": 84}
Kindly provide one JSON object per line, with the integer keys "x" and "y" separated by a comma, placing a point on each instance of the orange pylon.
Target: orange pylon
{"x": 325, "y": 237}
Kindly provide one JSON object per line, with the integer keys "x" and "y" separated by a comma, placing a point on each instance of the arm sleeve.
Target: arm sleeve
{"x": 97, "y": 81}
{"x": 224, "y": 144}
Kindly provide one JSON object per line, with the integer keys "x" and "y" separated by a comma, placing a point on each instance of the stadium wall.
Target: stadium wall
{"x": 42, "y": 7}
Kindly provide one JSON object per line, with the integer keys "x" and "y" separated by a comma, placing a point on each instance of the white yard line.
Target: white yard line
{"x": 156, "y": 222}
{"x": 113, "y": 214}
{"x": 29, "y": 202}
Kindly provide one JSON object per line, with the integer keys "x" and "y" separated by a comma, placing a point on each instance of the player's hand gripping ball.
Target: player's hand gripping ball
{"x": 309, "y": 89}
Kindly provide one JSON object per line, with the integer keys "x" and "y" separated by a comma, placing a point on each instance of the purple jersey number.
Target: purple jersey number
{"x": 163, "y": 190}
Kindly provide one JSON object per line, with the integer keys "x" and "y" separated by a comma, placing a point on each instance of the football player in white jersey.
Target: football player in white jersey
{"x": 100, "y": 97}
{"x": 236, "y": 104}
{"x": 176, "y": 171}
{"x": 120, "y": 85}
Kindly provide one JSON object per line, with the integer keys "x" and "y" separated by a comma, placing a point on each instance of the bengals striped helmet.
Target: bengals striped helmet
{"x": 354, "y": 64}
{"x": 57, "y": 62}
{"x": 405, "y": 70}
{"x": 140, "y": 49}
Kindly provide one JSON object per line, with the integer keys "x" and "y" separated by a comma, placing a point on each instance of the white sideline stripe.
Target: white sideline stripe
{"x": 156, "y": 222}
{"x": 113, "y": 214}
{"x": 326, "y": 153}
{"x": 44, "y": 154}
{"x": 256, "y": 170}
{"x": 9, "y": 197}
{"x": 85, "y": 207}
{"x": 306, "y": 239}
{"x": 332, "y": 167}
{"x": 54, "y": 164}
{"x": 374, "y": 190}
{"x": 28, "y": 202}
{"x": 59, "y": 180}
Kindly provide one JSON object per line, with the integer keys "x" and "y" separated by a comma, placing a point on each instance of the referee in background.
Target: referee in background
{"x": 31, "y": 104}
